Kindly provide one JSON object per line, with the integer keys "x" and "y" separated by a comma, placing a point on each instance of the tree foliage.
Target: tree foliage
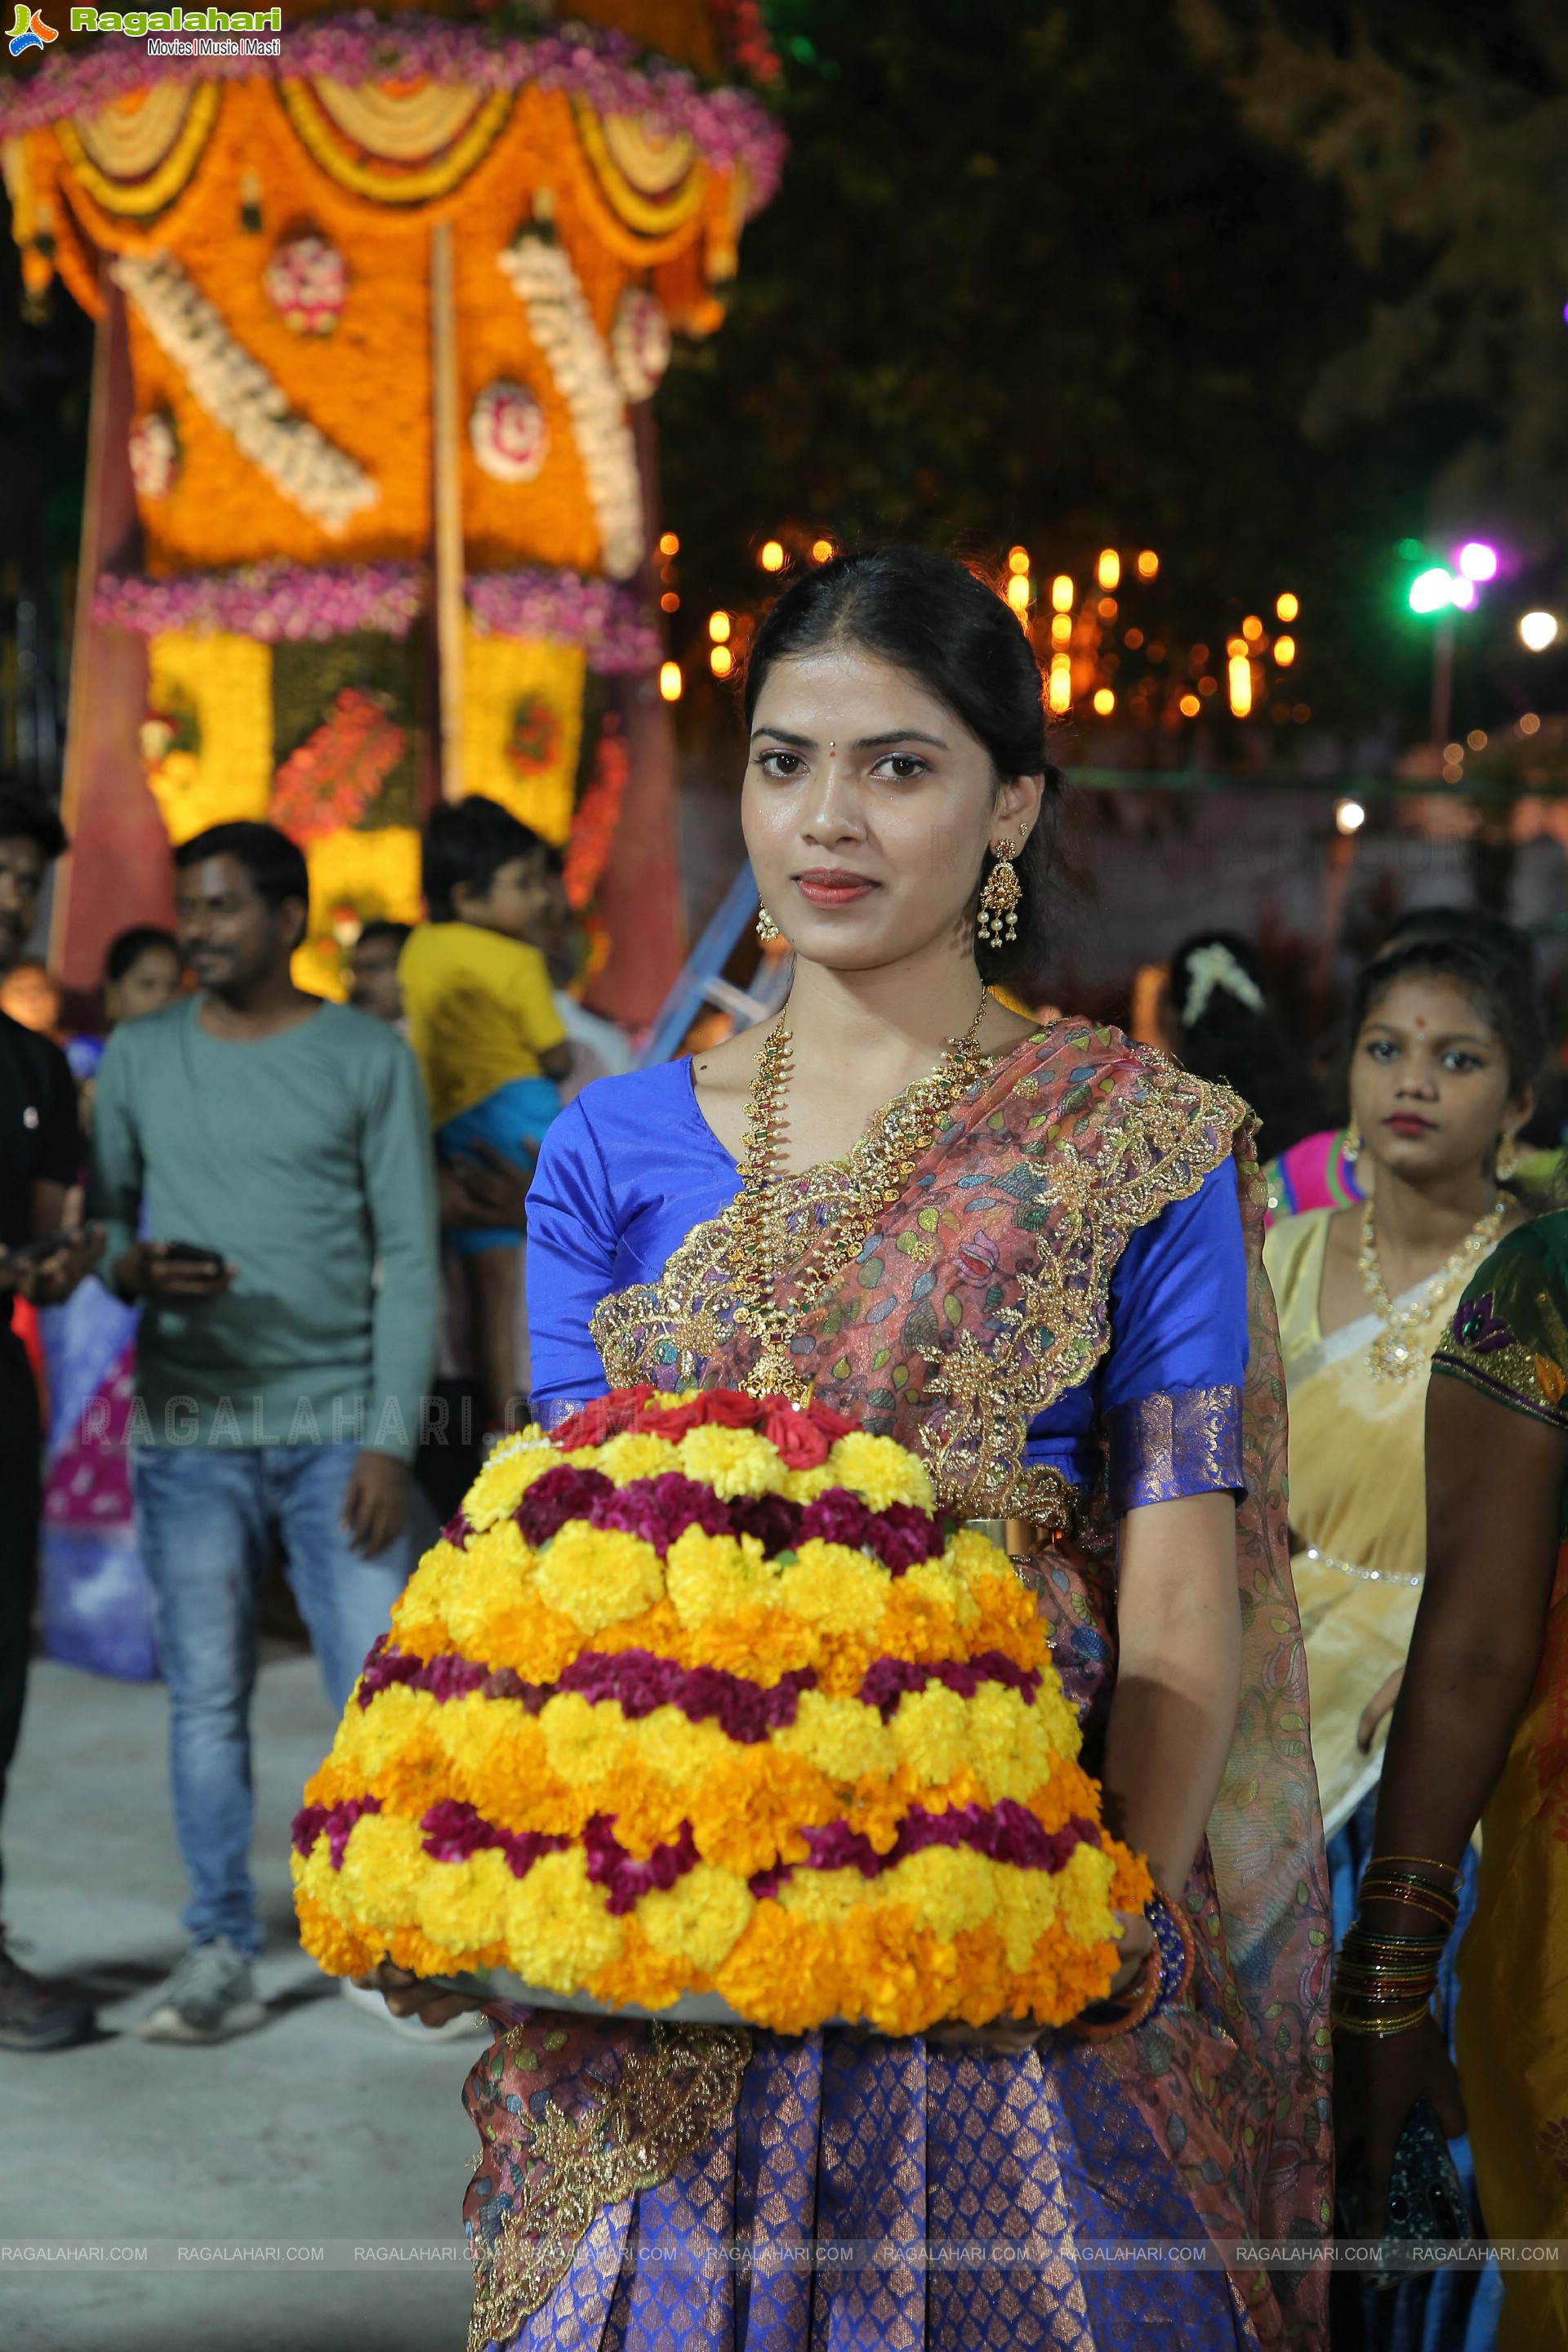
{"x": 1067, "y": 275}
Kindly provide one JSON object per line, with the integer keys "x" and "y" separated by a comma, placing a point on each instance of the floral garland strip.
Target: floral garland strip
{"x": 240, "y": 396}
{"x": 701, "y": 1694}
{"x": 568, "y": 610}
{"x": 277, "y": 602}
{"x": 280, "y": 602}
{"x": 594, "y": 64}
{"x": 541, "y": 274}
{"x": 597, "y": 814}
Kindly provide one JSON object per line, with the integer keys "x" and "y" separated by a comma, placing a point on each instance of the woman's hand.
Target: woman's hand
{"x": 426, "y": 1998}
{"x": 1380, "y": 1704}
{"x": 1377, "y": 2080}
{"x": 1134, "y": 1943}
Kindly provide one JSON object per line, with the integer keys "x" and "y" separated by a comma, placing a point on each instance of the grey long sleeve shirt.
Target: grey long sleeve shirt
{"x": 305, "y": 1159}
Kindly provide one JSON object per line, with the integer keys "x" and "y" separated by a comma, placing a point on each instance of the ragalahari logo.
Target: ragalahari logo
{"x": 29, "y": 31}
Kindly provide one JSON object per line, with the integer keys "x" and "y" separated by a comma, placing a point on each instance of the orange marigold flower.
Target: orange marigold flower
{"x": 342, "y": 1950}
{"x": 784, "y": 1971}
{"x": 984, "y": 1984}
{"x": 749, "y": 1809}
{"x": 1068, "y": 1790}
{"x": 896, "y": 1975}
{"x": 1063, "y": 1978}
{"x": 1130, "y": 1884}
{"x": 642, "y": 1977}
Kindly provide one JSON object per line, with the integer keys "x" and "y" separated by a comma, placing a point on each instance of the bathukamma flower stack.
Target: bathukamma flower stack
{"x": 698, "y": 1694}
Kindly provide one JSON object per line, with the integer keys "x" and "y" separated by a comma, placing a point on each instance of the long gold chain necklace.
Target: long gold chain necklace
{"x": 876, "y": 1173}
{"x": 1396, "y": 1354}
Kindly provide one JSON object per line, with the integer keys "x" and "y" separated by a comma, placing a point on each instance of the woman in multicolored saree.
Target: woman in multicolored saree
{"x": 1034, "y": 1256}
{"x": 1479, "y": 1734}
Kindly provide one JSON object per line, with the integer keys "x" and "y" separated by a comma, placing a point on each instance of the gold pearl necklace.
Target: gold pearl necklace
{"x": 876, "y": 1173}
{"x": 1396, "y": 1354}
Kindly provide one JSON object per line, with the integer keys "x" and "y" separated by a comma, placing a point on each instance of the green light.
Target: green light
{"x": 1410, "y": 550}
{"x": 1432, "y": 591}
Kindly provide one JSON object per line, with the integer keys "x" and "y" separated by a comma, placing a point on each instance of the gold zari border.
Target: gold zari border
{"x": 673, "y": 2094}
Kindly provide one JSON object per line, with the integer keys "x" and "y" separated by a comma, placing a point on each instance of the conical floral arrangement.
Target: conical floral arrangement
{"x": 698, "y": 1694}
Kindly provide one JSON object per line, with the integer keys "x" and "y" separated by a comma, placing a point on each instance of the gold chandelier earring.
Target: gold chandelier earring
{"x": 1508, "y": 1156}
{"x": 996, "y": 917}
{"x": 1352, "y": 1145}
{"x": 767, "y": 929}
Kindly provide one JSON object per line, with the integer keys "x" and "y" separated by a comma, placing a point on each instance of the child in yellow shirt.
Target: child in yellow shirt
{"x": 482, "y": 1021}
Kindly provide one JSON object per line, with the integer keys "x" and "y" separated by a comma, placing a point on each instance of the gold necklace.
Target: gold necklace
{"x": 876, "y": 1173}
{"x": 1396, "y": 1354}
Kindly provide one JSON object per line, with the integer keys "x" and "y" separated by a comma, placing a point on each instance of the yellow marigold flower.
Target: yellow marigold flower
{"x": 842, "y": 1737}
{"x": 748, "y": 1809}
{"x": 881, "y": 1470}
{"x": 932, "y": 1585}
{"x": 558, "y": 1930}
{"x": 597, "y": 1576}
{"x": 493, "y": 1575}
{"x": 700, "y": 1918}
{"x": 584, "y": 1743}
{"x": 506, "y": 1477}
{"x": 1008, "y": 1619}
{"x": 1083, "y": 1895}
{"x": 460, "y": 1901}
{"x": 825, "y": 1894}
{"x": 383, "y": 1863}
{"x": 946, "y": 1887}
{"x": 419, "y": 1612}
{"x": 731, "y": 1461}
{"x": 841, "y": 1590}
{"x": 522, "y": 1634}
{"x": 970, "y": 1555}
{"x": 1008, "y": 1742}
{"x": 675, "y": 1747}
{"x": 894, "y": 1974}
{"x": 804, "y": 1486}
{"x": 633, "y": 1455}
{"x": 717, "y": 1576}
{"x": 783, "y": 1972}
{"x": 1025, "y": 1907}
{"x": 929, "y": 1731}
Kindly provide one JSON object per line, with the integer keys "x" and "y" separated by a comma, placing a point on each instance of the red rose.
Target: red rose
{"x": 802, "y": 1445}
{"x": 715, "y": 1408}
{"x": 602, "y": 1418}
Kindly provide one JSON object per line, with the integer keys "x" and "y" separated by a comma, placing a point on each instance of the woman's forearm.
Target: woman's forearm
{"x": 1173, "y": 1715}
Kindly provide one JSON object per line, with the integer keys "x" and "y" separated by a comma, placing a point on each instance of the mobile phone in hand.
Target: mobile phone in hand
{"x": 34, "y": 1253}
{"x": 201, "y": 1261}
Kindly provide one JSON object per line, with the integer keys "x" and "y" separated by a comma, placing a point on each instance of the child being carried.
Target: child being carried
{"x": 482, "y": 1021}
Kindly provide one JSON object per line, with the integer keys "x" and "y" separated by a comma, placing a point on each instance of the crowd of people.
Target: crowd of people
{"x": 1301, "y": 1704}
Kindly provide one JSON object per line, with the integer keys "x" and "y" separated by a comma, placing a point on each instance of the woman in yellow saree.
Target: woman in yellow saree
{"x": 1447, "y": 1038}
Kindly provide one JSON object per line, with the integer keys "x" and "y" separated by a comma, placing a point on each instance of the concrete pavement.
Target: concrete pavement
{"x": 323, "y": 2128}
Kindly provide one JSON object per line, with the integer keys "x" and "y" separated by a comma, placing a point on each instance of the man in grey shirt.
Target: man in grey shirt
{"x": 281, "y": 1147}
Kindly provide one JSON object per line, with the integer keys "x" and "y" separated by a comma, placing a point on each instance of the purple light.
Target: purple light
{"x": 1463, "y": 594}
{"x": 1477, "y": 560}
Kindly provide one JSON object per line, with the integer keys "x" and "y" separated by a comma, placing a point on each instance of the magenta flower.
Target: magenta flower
{"x": 640, "y": 1681}
{"x": 773, "y": 1519}
{"x": 902, "y": 1536}
{"x": 659, "y": 1510}
{"x": 624, "y": 1880}
{"x": 885, "y": 1683}
{"x": 560, "y": 1495}
{"x": 454, "y": 1832}
{"x": 838, "y": 1517}
{"x": 335, "y": 1821}
{"x": 456, "y": 1532}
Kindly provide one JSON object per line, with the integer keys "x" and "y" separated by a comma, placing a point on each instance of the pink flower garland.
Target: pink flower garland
{"x": 277, "y": 602}
{"x": 533, "y": 603}
{"x": 590, "y": 63}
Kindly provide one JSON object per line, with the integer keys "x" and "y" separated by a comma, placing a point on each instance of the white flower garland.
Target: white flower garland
{"x": 541, "y": 274}
{"x": 238, "y": 394}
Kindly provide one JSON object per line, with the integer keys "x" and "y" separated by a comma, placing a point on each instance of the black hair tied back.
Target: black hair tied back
{"x": 933, "y": 618}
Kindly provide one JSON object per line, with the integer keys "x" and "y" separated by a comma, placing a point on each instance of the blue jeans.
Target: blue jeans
{"x": 512, "y": 1120}
{"x": 209, "y": 1519}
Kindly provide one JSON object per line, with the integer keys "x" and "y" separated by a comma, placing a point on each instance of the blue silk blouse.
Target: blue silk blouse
{"x": 632, "y": 1165}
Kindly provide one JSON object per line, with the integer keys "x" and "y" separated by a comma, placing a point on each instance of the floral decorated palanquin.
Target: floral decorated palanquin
{"x": 377, "y": 317}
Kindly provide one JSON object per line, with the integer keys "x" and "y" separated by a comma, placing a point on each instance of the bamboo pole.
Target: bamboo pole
{"x": 448, "y": 489}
